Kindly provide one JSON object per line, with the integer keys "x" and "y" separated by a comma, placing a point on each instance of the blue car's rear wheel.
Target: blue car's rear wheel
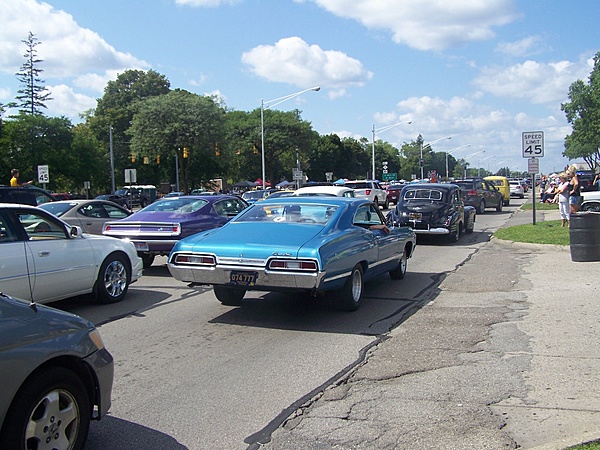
{"x": 229, "y": 296}
{"x": 349, "y": 297}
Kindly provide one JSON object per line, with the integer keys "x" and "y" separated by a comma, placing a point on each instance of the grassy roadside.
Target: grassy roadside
{"x": 547, "y": 232}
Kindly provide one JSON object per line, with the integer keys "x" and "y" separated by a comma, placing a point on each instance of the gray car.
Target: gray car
{"x": 55, "y": 375}
{"x": 90, "y": 215}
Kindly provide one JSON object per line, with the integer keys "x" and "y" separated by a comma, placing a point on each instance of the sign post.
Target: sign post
{"x": 533, "y": 148}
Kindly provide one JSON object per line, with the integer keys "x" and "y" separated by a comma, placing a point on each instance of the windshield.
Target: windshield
{"x": 496, "y": 182}
{"x": 58, "y": 209}
{"x": 286, "y": 213}
{"x": 176, "y": 204}
{"x": 253, "y": 195}
{"x": 422, "y": 194}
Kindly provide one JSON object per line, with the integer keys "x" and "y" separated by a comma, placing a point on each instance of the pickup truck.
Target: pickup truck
{"x": 369, "y": 189}
{"x": 133, "y": 197}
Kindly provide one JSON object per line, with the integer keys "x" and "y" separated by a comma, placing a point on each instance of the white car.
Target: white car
{"x": 331, "y": 191}
{"x": 516, "y": 189}
{"x": 43, "y": 259}
{"x": 369, "y": 189}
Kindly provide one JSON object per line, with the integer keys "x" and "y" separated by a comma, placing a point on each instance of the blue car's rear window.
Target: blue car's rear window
{"x": 288, "y": 213}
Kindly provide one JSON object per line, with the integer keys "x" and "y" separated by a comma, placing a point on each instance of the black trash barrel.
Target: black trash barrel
{"x": 584, "y": 234}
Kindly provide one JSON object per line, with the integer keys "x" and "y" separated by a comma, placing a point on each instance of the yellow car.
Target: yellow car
{"x": 501, "y": 183}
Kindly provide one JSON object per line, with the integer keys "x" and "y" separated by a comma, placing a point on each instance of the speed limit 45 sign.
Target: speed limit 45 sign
{"x": 533, "y": 144}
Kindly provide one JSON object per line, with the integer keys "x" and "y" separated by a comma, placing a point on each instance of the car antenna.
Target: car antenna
{"x": 32, "y": 303}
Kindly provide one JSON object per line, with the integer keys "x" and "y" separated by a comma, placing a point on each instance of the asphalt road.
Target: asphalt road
{"x": 191, "y": 373}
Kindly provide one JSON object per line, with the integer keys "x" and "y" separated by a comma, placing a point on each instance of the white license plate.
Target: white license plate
{"x": 141, "y": 246}
{"x": 415, "y": 216}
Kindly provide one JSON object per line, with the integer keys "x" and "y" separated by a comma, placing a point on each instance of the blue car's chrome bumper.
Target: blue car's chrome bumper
{"x": 265, "y": 279}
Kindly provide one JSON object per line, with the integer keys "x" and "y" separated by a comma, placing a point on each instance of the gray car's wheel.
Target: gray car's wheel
{"x": 499, "y": 205}
{"x": 229, "y": 296}
{"x": 113, "y": 279}
{"x": 349, "y": 297}
{"x": 481, "y": 209}
{"x": 400, "y": 270}
{"x": 386, "y": 205}
{"x": 51, "y": 410}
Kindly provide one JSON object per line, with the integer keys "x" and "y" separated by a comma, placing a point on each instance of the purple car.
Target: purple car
{"x": 155, "y": 229}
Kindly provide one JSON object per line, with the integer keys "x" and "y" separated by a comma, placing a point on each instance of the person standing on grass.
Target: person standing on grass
{"x": 562, "y": 198}
{"x": 575, "y": 192}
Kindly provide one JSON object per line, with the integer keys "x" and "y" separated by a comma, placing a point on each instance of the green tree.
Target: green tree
{"x": 116, "y": 108}
{"x": 583, "y": 113}
{"x": 180, "y": 123}
{"x": 53, "y": 147}
{"x": 33, "y": 94}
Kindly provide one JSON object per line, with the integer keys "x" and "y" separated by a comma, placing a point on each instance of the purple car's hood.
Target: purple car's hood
{"x": 249, "y": 240}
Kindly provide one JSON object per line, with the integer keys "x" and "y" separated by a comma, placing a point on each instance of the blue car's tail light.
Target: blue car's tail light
{"x": 303, "y": 265}
{"x": 195, "y": 260}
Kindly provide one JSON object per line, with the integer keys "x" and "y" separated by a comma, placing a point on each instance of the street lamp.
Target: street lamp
{"x": 429, "y": 145}
{"x": 467, "y": 157}
{"x": 450, "y": 152}
{"x": 271, "y": 104}
{"x": 479, "y": 164}
{"x": 381, "y": 130}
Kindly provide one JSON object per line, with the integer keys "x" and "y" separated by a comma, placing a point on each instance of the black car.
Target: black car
{"x": 434, "y": 208}
{"x": 29, "y": 195}
{"x": 481, "y": 194}
{"x": 118, "y": 199}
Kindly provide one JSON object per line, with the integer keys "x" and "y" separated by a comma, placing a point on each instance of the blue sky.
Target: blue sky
{"x": 482, "y": 72}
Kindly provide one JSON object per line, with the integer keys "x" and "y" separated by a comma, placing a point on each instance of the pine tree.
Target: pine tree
{"x": 32, "y": 96}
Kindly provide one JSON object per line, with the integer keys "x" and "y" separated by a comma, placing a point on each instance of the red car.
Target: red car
{"x": 393, "y": 193}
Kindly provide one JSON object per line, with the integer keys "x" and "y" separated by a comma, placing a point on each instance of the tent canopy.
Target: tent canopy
{"x": 244, "y": 183}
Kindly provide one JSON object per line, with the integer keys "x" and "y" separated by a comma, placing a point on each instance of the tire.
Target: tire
{"x": 481, "y": 209}
{"x": 229, "y": 296}
{"x": 499, "y": 205}
{"x": 376, "y": 201}
{"x": 54, "y": 399}
{"x": 349, "y": 297}
{"x": 113, "y": 279}
{"x": 148, "y": 259}
{"x": 386, "y": 204}
{"x": 400, "y": 270}
{"x": 143, "y": 203}
{"x": 594, "y": 207}
{"x": 454, "y": 237}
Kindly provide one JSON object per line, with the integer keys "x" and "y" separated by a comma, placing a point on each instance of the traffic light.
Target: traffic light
{"x": 217, "y": 152}
{"x": 185, "y": 152}
{"x": 132, "y": 157}
{"x": 157, "y": 159}
{"x": 146, "y": 160}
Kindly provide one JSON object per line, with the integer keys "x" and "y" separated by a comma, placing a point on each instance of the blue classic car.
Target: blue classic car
{"x": 434, "y": 208}
{"x": 311, "y": 244}
{"x": 155, "y": 229}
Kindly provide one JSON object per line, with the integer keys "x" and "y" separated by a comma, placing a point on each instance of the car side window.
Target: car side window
{"x": 115, "y": 213}
{"x": 7, "y": 234}
{"x": 228, "y": 208}
{"x": 39, "y": 227}
{"x": 95, "y": 211}
{"x": 365, "y": 216}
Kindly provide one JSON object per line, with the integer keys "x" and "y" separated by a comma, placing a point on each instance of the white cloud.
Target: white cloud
{"x": 66, "y": 48}
{"x": 291, "y": 60}
{"x": 527, "y": 46}
{"x": 536, "y": 82}
{"x": 428, "y": 24}
{"x": 68, "y": 103}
